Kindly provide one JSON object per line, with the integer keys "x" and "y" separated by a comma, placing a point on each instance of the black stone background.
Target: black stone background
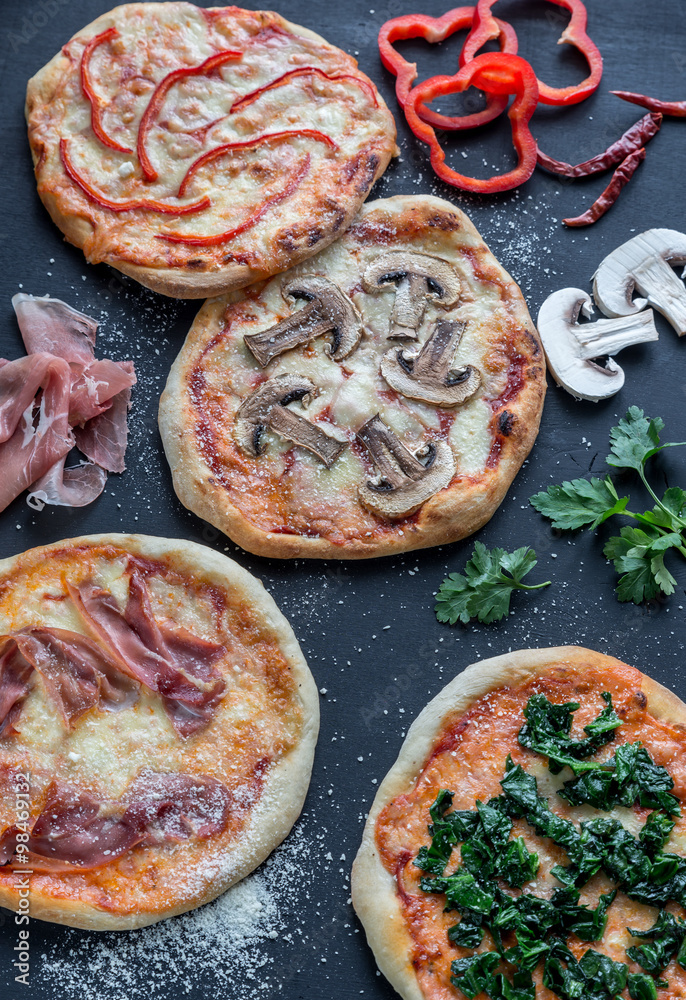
{"x": 376, "y": 679}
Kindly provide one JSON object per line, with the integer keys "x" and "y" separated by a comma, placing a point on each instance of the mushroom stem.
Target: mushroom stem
{"x": 301, "y": 432}
{"x": 428, "y": 376}
{"x": 329, "y": 310}
{"x": 663, "y": 290}
{"x": 408, "y": 308}
{"x": 606, "y": 336}
{"x": 403, "y": 483}
{"x": 397, "y": 466}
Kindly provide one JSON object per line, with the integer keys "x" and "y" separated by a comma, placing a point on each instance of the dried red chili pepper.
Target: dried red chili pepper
{"x": 485, "y": 28}
{"x": 228, "y": 147}
{"x": 97, "y": 105}
{"x": 145, "y": 204}
{"x": 675, "y": 109}
{"x": 285, "y": 78}
{"x": 494, "y": 73}
{"x": 620, "y": 178}
{"x": 157, "y": 99}
{"x": 634, "y": 138}
{"x": 436, "y": 29}
{"x": 207, "y": 241}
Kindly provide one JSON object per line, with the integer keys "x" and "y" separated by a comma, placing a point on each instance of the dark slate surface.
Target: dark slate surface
{"x": 375, "y": 678}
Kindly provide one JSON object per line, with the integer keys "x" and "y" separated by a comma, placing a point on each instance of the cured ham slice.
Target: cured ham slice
{"x": 78, "y": 830}
{"x": 58, "y": 396}
{"x": 104, "y": 438}
{"x": 173, "y": 662}
{"x": 34, "y": 428}
{"x": 76, "y": 486}
{"x": 15, "y": 674}
{"x": 51, "y": 326}
{"x": 75, "y": 671}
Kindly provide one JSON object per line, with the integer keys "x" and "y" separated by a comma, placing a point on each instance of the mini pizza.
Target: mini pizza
{"x": 157, "y": 729}
{"x": 529, "y": 842}
{"x": 198, "y": 150}
{"x": 378, "y": 398}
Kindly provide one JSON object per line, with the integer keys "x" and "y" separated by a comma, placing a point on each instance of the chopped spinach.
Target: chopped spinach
{"x": 547, "y": 730}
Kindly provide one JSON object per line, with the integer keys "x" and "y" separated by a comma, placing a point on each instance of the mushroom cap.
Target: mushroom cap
{"x": 346, "y": 319}
{"x": 459, "y": 386}
{"x": 253, "y": 413}
{"x": 614, "y": 283}
{"x": 582, "y": 378}
{"x": 400, "y": 263}
{"x": 405, "y": 500}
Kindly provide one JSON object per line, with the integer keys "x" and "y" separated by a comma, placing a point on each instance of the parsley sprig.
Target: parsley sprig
{"x": 638, "y": 553}
{"x": 485, "y": 588}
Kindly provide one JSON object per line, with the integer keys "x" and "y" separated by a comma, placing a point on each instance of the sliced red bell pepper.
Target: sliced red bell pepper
{"x": 96, "y": 103}
{"x": 229, "y": 147}
{"x": 285, "y": 78}
{"x": 485, "y": 29}
{"x": 229, "y": 234}
{"x": 494, "y": 73}
{"x": 157, "y": 100}
{"x": 676, "y": 109}
{"x": 436, "y": 29}
{"x": 144, "y": 204}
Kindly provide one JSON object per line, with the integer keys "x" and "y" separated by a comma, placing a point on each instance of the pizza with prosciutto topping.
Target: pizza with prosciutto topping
{"x": 157, "y": 728}
{"x": 530, "y": 840}
{"x": 377, "y": 398}
{"x": 198, "y": 150}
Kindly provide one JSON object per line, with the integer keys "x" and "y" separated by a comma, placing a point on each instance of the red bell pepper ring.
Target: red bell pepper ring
{"x": 436, "y": 29}
{"x": 485, "y": 29}
{"x": 96, "y": 103}
{"x": 494, "y": 73}
{"x": 676, "y": 109}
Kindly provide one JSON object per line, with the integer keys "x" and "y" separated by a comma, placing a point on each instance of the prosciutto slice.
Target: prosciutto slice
{"x": 104, "y": 438}
{"x": 76, "y": 672}
{"x": 34, "y": 429}
{"x": 173, "y": 662}
{"x": 15, "y": 676}
{"x": 78, "y": 830}
{"x": 51, "y": 326}
{"x": 94, "y": 388}
{"x": 76, "y": 486}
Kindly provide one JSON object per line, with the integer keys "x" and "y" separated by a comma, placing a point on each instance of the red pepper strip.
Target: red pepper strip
{"x": 208, "y": 241}
{"x": 228, "y": 147}
{"x": 285, "y": 78}
{"x": 125, "y": 206}
{"x": 485, "y": 28}
{"x": 622, "y": 175}
{"x": 157, "y": 100}
{"x": 634, "y": 138}
{"x": 676, "y": 109}
{"x": 90, "y": 95}
{"x": 494, "y": 73}
{"x": 436, "y": 29}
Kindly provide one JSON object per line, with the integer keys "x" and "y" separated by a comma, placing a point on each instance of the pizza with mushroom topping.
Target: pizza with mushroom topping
{"x": 529, "y": 842}
{"x": 157, "y": 728}
{"x": 200, "y": 149}
{"x": 377, "y": 398}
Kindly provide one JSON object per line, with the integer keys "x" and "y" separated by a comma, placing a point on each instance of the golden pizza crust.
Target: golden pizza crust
{"x": 307, "y": 221}
{"x": 217, "y": 865}
{"x": 454, "y": 512}
{"x": 373, "y": 888}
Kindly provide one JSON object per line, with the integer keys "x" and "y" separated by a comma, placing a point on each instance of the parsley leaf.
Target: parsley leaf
{"x": 634, "y": 440}
{"x": 484, "y": 591}
{"x": 579, "y": 503}
{"x": 639, "y": 554}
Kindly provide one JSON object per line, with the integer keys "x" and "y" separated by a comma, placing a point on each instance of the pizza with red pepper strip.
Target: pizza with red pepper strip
{"x": 198, "y": 150}
{"x": 377, "y": 398}
{"x": 157, "y": 729}
{"x": 530, "y": 840}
